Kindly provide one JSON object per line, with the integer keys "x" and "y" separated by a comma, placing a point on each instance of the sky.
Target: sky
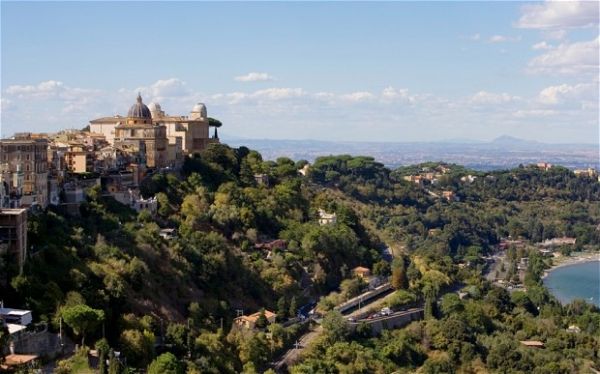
{"x": 359, "y": 71}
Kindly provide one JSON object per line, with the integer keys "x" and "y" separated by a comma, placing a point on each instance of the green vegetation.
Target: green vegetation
{"x": 170, "y": 303}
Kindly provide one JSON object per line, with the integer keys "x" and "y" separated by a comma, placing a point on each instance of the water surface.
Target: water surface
{"x": 577, "y": 281}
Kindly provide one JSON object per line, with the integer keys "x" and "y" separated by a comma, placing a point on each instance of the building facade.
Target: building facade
{"x": 138, "y": 135}
{"x": 185, "y": 134}
{"x": 13, "y": 236}
{"x": 78, "y": 159}
{"x": 24, "y": 167}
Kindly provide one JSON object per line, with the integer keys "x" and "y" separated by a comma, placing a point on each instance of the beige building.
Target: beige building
{"x": 138, "y": 135}
{"x": 185, "y": 134}
{"x": 106, "y": 126}
{"x": 78, "y": 159}
{"x": 589, "y": 172}
{"x": 249, "y": 322}
{"x": 13, "y": 235}
{"x": 24, "y": 166}
{"x": 193, "y": 129}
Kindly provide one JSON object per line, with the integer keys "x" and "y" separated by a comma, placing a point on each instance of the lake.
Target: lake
{"x": 577, "y": 281}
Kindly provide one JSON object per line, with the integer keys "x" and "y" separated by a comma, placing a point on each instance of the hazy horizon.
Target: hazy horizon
{"x": 373, "y": 72}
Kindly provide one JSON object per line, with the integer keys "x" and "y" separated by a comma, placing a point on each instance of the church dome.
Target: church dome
{"x": 154, "y": 107}
{"x": 200, "y": 108}
{"x": 139, "y": 109}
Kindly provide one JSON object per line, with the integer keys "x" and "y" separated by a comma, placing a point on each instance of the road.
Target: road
{"x": 291, "y": 355}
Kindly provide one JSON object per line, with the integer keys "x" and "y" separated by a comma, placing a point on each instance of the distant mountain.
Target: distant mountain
{"x": 512, "y": 141}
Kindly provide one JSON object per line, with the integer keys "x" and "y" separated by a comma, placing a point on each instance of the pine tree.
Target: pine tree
{"x": 102, "y": 362}
{"x": 262, "y": 321}
{"x": 282, "y": 308}
{"x": 293, "y": 307}
{"x": 113, "y": 363}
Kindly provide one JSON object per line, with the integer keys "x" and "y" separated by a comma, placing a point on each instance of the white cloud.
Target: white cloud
{"x": 358, "y": 96}
{"x": 484, "y": 97}
{"x": 278, "y": 93}
{"x": 554, "y": 34}
{"x": 574, "y": 58}
{"x": 542, "y": 45}
{"x": 503, "y": 39}
{"x": 578, "y": 93}
{"x": 43, "y": 89}
{"x": 559, "y": 15}
{"x": 475, "y": 37}
{"x": 163, "y": 89}
{"x": 535, "y": 113}
{"x": 254, "y": 77}
{"x": 391, "y": 94}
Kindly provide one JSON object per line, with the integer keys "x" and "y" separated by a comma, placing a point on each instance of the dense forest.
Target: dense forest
{"x": 167, "y": 303}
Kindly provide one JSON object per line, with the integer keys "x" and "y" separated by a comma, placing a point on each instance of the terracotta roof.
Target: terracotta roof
{"x": 532, "y": 343}
{"x": 15, "y": 359}
{"x": 254, "y": 317}
{"x": 114, "y": 119}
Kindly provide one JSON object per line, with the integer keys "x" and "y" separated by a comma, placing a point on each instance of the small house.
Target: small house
{"x": 249, "y": 322}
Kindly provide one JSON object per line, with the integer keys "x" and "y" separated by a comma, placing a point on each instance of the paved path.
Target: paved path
{"x": 291, "y": 355}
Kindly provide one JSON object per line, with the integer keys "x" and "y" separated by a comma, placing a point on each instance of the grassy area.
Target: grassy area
{"x": 78, "y": 364}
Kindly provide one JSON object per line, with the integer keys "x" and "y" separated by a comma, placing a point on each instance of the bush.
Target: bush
{"x": 165, "y": 364}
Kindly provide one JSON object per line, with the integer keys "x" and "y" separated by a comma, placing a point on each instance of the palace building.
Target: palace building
{"x": 158, "y": 139}
{"x": 138, "y": 135}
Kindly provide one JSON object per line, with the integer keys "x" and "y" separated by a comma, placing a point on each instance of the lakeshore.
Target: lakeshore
{"x": 577, "y": 277}
{"x": 578, "y": 258}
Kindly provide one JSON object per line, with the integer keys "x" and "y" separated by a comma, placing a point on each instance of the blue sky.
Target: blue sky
{"x": 332, "y": 71}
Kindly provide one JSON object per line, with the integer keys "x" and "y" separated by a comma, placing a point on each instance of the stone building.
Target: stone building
{"x": 185, "y": 134}
{"x": 193, "y": 130}
{"x": 79, "y": 159}
{"x": 138, "y": 135}
{"x": 24, "y": 166}
{"x": 13, "y": 235}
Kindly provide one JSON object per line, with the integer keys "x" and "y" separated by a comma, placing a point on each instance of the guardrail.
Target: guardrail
{"x": 344, "y": 307}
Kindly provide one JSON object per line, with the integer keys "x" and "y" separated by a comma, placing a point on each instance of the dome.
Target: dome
{"x": 154, "y": 107}
{"x": 139, "y": 109}
{"x": 200, "y": 108}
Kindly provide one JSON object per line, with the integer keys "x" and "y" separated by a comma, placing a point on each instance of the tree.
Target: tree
{"x": 213, "y": 122}
{"x": 102, "y": 348}
{"x": 430, "y": 294}
{"x": 282, "y": 310}
{"x": 381, "y": 268}
{"x": 293, "y": 307}
{"x": 137, "y": 346}
{"x": 335, "y": 326}
{"x": 165, "y": 364}
{"x": 451, "y": 304}
{"x": 399, "y": 279}
{"x": 101, "y": 362}
{"x": 82, "y": 319}
{"x": 113, "y": 363}
{"x": 261, "y": 321}
{"x": 4, "y": 338}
